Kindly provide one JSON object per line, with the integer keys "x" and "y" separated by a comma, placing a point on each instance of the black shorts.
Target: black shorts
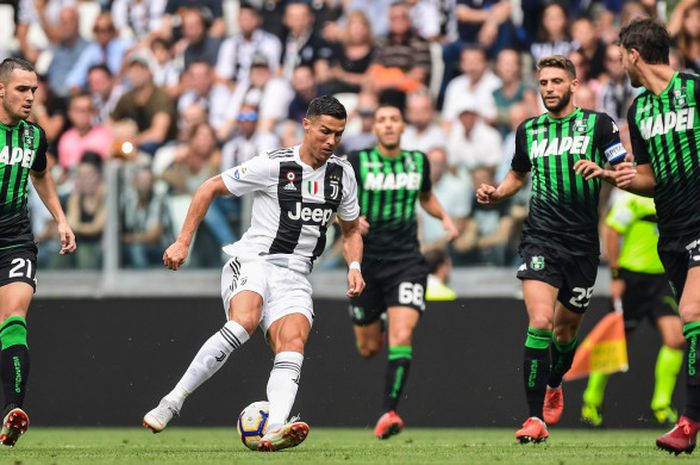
{"x": 678, "y": 255}
{"x": 18, "y": 265}
{"x": 573, "y": 275}
{"x": 389, "y": 283}
{"x": 646, "y": 296}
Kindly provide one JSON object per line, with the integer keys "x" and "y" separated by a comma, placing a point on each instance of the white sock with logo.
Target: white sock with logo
{"x": 282, "y": 387}
{"x": 211, "y": 356}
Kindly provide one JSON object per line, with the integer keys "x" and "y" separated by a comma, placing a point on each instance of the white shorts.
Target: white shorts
{"x": 283, "y": 291}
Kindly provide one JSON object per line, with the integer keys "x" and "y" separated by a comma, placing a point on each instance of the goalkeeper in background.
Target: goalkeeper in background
{"x": 630, "y": 237}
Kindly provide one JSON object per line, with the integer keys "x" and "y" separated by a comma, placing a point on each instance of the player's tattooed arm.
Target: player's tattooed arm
{"x": 176, "y": 254}
{"x": 513, "y": 182}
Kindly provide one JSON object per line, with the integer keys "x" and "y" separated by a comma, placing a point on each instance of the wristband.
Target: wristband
{"x": 354, "y": 266}
{"x": 615, "y": 273}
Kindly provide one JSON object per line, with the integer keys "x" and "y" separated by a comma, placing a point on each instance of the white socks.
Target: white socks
{"x": 282, "y": 386}
{"x": 208, "y": 360}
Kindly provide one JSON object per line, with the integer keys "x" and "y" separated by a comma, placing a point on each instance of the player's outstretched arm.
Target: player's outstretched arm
{"x": 432, "y": 205}
{"x": 352, "y": 251}
{"x": 513, "y": 182}
{"x": 176, "y": 254}
{"x": 45, "y": 187}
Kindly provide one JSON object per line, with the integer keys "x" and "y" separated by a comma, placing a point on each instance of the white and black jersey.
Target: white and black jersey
{"x": 293, "y": 205}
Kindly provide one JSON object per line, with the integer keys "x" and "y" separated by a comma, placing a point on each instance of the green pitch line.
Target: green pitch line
{"x": 213, "y": 446}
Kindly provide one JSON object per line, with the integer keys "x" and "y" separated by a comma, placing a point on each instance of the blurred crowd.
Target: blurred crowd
{"x": 179, "y": 90}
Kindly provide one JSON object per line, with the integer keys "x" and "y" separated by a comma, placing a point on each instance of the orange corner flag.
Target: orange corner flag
{"x": 603, "y": 351}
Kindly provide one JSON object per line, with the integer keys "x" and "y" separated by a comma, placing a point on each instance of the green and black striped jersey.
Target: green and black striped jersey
{"x": 665, "y": 131}
{"x": 563, "y": 205}
{"x": 387, "y": 189}
{"x": 22, "y": 148}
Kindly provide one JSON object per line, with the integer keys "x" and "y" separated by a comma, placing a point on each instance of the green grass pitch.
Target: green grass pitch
{"x": 213, "y": 446}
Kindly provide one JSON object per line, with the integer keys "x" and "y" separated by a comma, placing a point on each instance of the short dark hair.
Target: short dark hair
{"x": 92, "y": 158}
{"x": 100, "y": 67}
{"x": 558, "y": 61}
{"x": 388, "y": 105}
{"x": 10, "y": 64}
{"x": 326, "y": 105}
{"x": 435, "y": 258}
{"x": 649, "y": 37}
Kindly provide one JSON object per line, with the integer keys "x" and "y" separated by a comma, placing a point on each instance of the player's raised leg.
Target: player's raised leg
{"x": 14, "y": 359}
{"x": 244, "y": 314}
{"x": 563, "y": 349}
{"x": 668, "y": 365}
{"x": 540, "y": 299}
{"x": 287, "y": 337}
{"x": 682, "y": 437}
{"x": 402, "y": 324}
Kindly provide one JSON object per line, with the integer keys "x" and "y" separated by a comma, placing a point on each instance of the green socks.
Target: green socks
{"x": 14, "y": 361}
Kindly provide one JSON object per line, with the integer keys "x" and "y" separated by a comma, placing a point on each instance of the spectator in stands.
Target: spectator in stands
{"x": 247, "y": 141}
{"x": 476, "y": 83}
{"x": 472, "y": 143}
{"x": 471, "y": 18}
{"x": 301, "y": 45}
{"x": 553, "y": 37}
{"x": 422, "y": 132}
{"x": 210, "y": 10}
{"x": 167, "y": 70}
{"x": 347, "y": 67}
{"x": 201, "y": 89}
{"x": 145, "y": 222}
{"x": 272, "y": 13}
{"x": 141, "y": 17}
{"x": 616, "y": 95}
{"x": 582, "y": 69}
{"x": 487, "y": 230}
{"x": 425, "y": 18}
{"x": 195, "y": 162}
{"x": 87, "y": 212}
{"x": 270, "y": 94}
{"x": 49, "y": 112}
{"x": 305, "y": 90}
{"x": 364, "y": 136}
{"x": 402, "y": 61}
{"x": 684, "y": 27}
{"x": 147, "y": 106}
{"x": 66, "y": 51}
{"x": 196, "y": 44}
{"x": 454, "y": 196}
{"x": 377, "y": 11}
{"x": 84, "y": 136}
{"x": 107, "y": 48}
{"x": 586, "y": 97}
{"x": 236, "y": 52}
{"x": 513, "y": 90}
{"x": 45, "y": 14}
{"x": 486, "y": 23}
{"x": 105, "y": 91}
{"x": 439, "y": 269}
{"x": 588, "y": 41}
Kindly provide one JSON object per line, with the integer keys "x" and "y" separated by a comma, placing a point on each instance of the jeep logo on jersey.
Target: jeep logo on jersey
{"x": 310, "y": 215}
{"x": 549, "y": 147}
{"x": 679, "y": 120}
{"x": 392, "y": 181}
{"x": 18, "y": 155}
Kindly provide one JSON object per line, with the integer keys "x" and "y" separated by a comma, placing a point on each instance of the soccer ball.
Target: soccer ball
{"x": 252, "y": 423}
